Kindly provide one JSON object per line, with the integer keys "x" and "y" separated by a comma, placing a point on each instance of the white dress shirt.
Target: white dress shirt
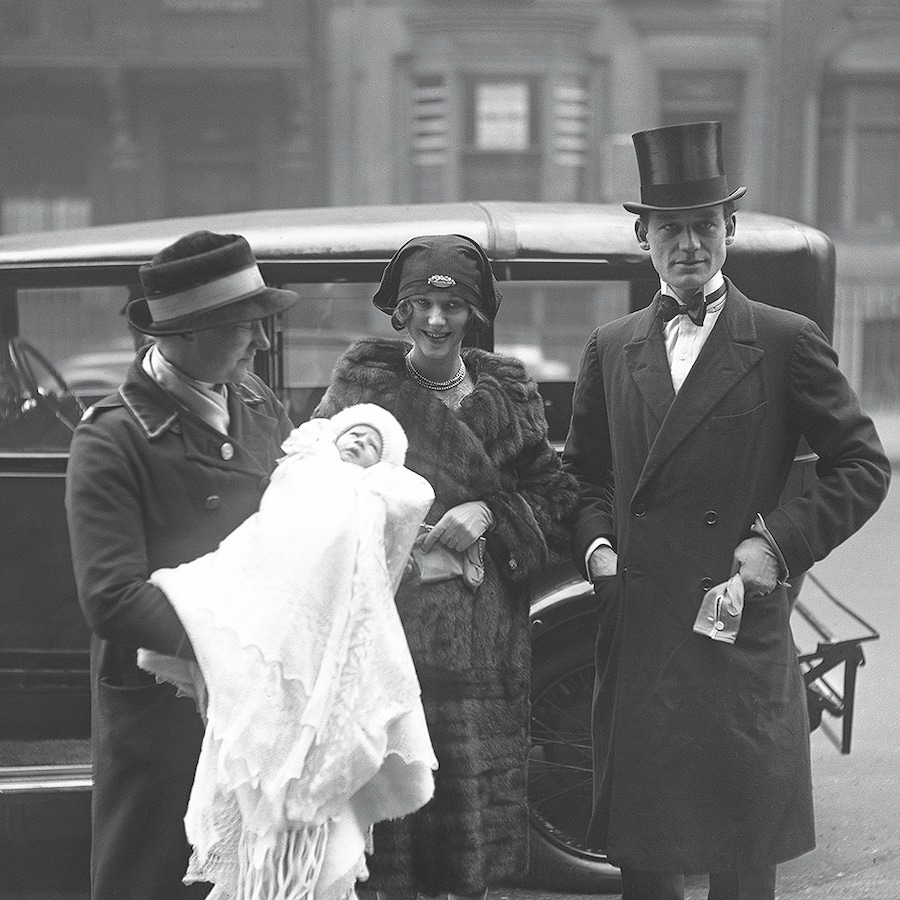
{"x": 684, "y": 339}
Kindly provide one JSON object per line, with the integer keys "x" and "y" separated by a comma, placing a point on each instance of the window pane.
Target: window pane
{"x": 878, "y": 181}
{"x": 502, "y": 116}
{"x": 82, "y": 333}
{"x": 546, "y": 324}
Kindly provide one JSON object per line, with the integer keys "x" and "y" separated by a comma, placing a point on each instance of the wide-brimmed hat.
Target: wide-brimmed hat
{"x": 393, "y": 437}
{"x": 442, "y": 261}
{"x": 681, "y": 167}
{"x": 202, "y": 281}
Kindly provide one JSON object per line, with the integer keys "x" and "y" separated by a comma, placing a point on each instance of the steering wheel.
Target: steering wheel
{"x": 62, "y": 402}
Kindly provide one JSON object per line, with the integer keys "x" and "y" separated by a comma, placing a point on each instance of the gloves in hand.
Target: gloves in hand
{"x": 758, "y": 566}
{"x": 460, "y": 526}
{"x": 603, "y": 561}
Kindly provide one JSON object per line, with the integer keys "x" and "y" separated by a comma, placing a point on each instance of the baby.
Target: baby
{"x": 361, "y": 445}
{"x": 314, "y": 724}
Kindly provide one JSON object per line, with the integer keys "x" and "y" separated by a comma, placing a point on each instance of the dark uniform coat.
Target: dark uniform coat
{"x": 151, "y": 485}
{"x": 701, "y": 747}
{"x": 471, "y": 649}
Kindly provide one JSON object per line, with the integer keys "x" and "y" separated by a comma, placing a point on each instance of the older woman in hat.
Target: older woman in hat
{"x": 477, "y": 432}
{"x": 314, "y": 723}
{"x": 160, "y": 472}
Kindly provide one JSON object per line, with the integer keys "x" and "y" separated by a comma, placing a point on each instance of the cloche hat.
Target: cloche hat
{"x": 442, "y": 261}
{"x": 202, "y": 281}
{"x": 681, "y": 167}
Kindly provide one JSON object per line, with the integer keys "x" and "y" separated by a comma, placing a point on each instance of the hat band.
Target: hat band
{"x": 210, "y": 295}
{"x": 685, "y": 193}
{"x": 418, "y": 286}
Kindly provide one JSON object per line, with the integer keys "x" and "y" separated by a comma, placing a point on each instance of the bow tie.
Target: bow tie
{"x": 694, "y": 309}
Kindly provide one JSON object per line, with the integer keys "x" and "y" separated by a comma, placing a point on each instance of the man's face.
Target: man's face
{"x": 687, "y": 246}
{"x": 222, "y": 354}
{"x": 360, "y": 445}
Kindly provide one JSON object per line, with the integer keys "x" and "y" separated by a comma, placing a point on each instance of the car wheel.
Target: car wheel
{"x": 559, "y": 765}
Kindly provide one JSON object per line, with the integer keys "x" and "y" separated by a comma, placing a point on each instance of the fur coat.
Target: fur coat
{"x": 471, "y": 649}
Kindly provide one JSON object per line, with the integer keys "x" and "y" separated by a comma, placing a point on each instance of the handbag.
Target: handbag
{"x": 440, "y": 563}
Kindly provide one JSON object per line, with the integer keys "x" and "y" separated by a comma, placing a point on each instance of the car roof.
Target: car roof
{"x": 523, "y": 240}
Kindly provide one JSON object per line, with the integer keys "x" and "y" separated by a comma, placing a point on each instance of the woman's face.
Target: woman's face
{"x": 360, "y": 445}
{"x": 438, "y": 323}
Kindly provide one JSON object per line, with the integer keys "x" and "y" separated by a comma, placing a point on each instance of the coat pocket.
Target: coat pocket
{"x": 739, "y": 422}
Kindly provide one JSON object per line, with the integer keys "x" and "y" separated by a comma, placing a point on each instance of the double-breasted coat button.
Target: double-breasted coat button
{"x": 706, "y": 584}
{"x": 213, "y": 501}
{"x": 711, "y": 517}
{"x": 639, "y": 509}
{"x": 227, "y": 451}
{"x": 513, "y": 564}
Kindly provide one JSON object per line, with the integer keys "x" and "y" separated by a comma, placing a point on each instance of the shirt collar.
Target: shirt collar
{"x": 713, "y": 284}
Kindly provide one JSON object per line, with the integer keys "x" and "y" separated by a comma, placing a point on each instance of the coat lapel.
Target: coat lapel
{"x": 729, "y": 353}
{"x": 646, "y": 359}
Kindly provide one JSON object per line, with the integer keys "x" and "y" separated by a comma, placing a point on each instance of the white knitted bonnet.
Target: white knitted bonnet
{"x": 393, "y": 437}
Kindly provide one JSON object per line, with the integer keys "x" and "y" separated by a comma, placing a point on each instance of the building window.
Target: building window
{"x": 48, "y": 212}
{"x": 45, "y": 183}
{"x": 570, "y": 123}
{"x": 430, "y": 137}
{"x": 501, "y": 140}
{"x": 212, "y": 143}
{"x": 859, "y": 181}
{"x": 708, "y": 95}
{"x": 501, "y": 116}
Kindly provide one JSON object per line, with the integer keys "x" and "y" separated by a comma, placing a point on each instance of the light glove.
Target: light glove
{"x": 460, "y": 526}
{"x": 758, "y": 566}
{"x": 603, "y": 561}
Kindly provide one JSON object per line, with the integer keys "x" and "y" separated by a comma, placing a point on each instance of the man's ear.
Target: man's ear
{"x": 730, "y": 228}
{"x": 641, "y": 231}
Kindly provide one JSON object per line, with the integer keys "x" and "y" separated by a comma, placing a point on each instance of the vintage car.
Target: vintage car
{"x": 562, "y": 269}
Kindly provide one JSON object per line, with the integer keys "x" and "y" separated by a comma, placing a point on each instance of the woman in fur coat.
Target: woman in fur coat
{"x": 477, "y": 432}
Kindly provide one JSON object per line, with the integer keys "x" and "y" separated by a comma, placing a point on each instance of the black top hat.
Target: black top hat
{"x": 681, "y": 168}
{"x": 202, "y": 281}
{"x": 440, "y": 260}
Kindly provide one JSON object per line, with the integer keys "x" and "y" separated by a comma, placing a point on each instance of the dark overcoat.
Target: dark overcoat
{"x": 151, "y": 485}
{"x": 471, "y": 649}
{"x": 701, "y": 748}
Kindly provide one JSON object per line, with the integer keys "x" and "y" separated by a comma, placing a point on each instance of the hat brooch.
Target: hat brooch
{"x": 441, "y": 281}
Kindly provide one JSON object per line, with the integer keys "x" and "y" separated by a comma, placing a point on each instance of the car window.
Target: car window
{"x": 73, "y": 347}
{"x": 545, "y": 324}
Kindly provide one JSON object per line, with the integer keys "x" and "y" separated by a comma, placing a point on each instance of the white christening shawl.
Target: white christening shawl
{"x": 315, "y": 728}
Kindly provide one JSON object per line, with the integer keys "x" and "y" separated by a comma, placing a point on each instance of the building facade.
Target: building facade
{"x": 115, "y": 110}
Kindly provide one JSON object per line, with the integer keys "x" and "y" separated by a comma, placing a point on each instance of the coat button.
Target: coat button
{"x": 227, "y": 451}
{"x": 706, "y": 584}
{"x": 712, "y": 517}
{"x": 639, "y": 509}
{"x": 513, "y": 564}
{"x": 213, "y": 501}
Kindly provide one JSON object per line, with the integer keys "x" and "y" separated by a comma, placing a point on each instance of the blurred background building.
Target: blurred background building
{"x": 117, "y": 110}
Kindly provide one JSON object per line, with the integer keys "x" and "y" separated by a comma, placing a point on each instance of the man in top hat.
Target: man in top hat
{"x": 160, "y": 472}
{"x": 686, "y": 419}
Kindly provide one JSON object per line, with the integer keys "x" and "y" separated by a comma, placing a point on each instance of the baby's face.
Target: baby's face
{"x": 360, "y": 445}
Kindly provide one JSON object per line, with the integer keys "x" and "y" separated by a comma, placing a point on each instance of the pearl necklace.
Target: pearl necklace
{"x": 430, "y": 385}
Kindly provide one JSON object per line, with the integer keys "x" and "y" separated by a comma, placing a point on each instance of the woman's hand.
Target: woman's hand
{"x": 460, "y": 526}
